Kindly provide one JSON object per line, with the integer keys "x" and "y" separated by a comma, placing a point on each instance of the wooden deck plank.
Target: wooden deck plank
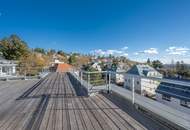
{"x": 94, "y": 121}
{"x": 109, "y": 112}
{"x": 73, "y": 121}
{"x": 94, "y": 110}
{"x": 24, "y": 117}
{"x": 64, "y": 109}
{"x": 15, "y": 110}
{"x": 115, "y": 113}
{"x": 105, "y": 117}
{"x": 124, "y": 115}
{"x": 52, "y": 118}
{"x": 12, "y": 118}
{"x": 46, "y": 117}
{"x": 83, "y": 114}
{"x": 78, "y": 114}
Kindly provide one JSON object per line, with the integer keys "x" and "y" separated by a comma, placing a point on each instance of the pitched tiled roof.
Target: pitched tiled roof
{"x": 63, "y": 67}
{"x": 141, "y": 70}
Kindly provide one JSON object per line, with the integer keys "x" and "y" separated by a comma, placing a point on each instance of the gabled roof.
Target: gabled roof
{"x": 178, "y": 91}
{"x": 141, "y": 70}
{"x": 119, "y": 68}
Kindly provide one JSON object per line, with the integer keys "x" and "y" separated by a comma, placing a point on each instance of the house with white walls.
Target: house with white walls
{"x": 118, "y": 73}
{"x": 142, "y": 84}
{"x": 96, "y": 66}
{"x": 7, "y": 67}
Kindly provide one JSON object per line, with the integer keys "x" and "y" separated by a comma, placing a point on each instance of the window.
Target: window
{"x": 4, "y": 69}
{"x": 151, "y": 81}
{"x": 185, "y": 103}
{"x": 166, "y": 97}
{"x": 137, "y": 82}
{"x": 129, "y": 80}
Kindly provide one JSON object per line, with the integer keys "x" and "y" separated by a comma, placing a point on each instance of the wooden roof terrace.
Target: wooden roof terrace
{"x": 53, "y": 103}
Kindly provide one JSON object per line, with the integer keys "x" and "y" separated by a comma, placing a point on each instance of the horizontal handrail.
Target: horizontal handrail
{"x": 169, "y": 113}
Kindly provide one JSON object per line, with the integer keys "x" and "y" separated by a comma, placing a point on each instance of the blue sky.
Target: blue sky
{"x": 138, "y": 29}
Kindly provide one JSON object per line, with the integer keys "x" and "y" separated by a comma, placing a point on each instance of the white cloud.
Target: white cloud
{"x": 98, "y": 52}
{"x": 124, "y": 48}
{"x": 151, "y": 51}
{"x": 177, "y": 50}
{"x": 120, "y": 52}
{"x": 136, "y": 53}
{"x": 125, "y": 54}
{"x": 112, "y": 52}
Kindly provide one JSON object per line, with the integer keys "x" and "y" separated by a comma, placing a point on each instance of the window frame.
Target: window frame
{"x": 166, "y": 97}
{"x": 185, "y": 103}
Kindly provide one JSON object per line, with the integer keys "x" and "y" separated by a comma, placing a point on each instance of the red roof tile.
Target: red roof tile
{"x": 63, "y": 67}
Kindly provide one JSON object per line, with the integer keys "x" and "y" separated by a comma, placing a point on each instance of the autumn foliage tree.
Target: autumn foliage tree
{"x": 29, "y": 62}
{"x": 32, "y": 64}
{"x": 13, "y": 48}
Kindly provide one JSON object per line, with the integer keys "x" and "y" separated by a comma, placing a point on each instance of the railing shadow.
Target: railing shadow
{"x": 39, "y": 112}
{"x": 31, "y": 89}
{"x": 79, "y": 88}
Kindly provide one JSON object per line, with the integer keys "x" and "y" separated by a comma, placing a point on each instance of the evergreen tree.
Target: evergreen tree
{"x": 72, "y": 59}
{"x": 148, "y": 61}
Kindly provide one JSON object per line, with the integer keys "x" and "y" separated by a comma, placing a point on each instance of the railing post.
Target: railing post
{"x": 133, "y": 91}
{"x": 106, "y": 80}
{"x": 109, "y": 84}
{"x": 24, "y": 74}
{"x": 88, "y": 74}
{"x": 81, "y": 74}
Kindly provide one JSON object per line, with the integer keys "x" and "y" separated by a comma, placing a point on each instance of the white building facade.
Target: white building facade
{"x": 137, "y": 75}
{"x": 118, "y": 73}
{"x": 96, "y": 66}
{"x": 7, "y": 68}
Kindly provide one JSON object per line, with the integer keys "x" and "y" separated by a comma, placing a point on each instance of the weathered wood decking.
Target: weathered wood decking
{"x": 53, "y": 104}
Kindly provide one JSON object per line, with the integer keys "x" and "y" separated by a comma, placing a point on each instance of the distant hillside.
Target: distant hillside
{"x": 171, "y": 65}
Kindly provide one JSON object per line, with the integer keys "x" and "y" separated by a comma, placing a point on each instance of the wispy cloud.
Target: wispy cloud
{"x": 119, "y": 52}
{"x": 173, "y": 52}
{"x": 124, "y": 48}
{"x": 177, "y": 50}
{"x": 150, "y": 51}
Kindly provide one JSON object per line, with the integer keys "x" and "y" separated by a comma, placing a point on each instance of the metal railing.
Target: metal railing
{"x": 20, "y": 73}
{"x": 94, "y": 81}
{"x": 107, "y": 80}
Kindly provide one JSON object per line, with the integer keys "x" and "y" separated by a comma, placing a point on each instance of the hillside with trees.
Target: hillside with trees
{"x": 31, "y": 61}
{"x": 178, "y": 70}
